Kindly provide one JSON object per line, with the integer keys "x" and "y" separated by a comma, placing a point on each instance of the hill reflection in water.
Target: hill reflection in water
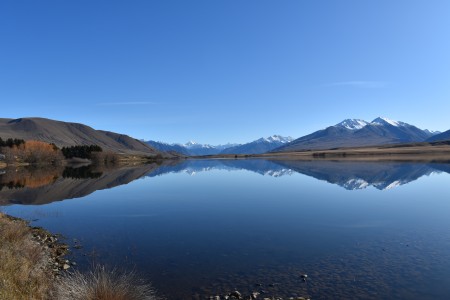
{"x": 45, "y": 185}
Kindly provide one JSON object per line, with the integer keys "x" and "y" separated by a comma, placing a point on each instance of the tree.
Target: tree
{"x": 80, "y": 151}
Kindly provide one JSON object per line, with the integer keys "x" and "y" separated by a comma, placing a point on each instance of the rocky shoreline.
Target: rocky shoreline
{"x": 56, "y": 250}
{"x": 254, "y": 295}
{"x": 51, "y": 244}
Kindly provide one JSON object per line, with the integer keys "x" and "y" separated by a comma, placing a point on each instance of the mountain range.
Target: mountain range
{"x": 195, "y": 148}
{"x": 191, "y": 148}
{"x": 351, "y": 175}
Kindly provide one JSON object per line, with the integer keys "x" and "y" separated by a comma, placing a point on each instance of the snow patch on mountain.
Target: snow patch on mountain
{"x": 275, "y": 139}
{"x": 432, "y": 132}
{"x": 355, "y": 184}
{"x": 356, "y": 124}
{"x": 353, "y": 124}
{"x": 195, "y": 145}
{"x": 279, "y": 173}
{"x": 384, "y": 121}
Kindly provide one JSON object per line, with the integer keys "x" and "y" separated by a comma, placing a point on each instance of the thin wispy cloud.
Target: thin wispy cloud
{"x": 124, "y": 103}
{"x": 360, "y": 84}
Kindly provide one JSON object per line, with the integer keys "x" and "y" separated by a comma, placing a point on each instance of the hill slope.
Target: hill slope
{"x": 444, "y": 136}
{"x": 164, "y": 147}
{"x": 71, "y": 134}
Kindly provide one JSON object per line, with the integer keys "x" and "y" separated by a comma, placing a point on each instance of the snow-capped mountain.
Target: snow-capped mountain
{"x": 352, "y": 124}
{"x": 195, "y": 148}
{"x": 259, "y": 146}
{"x": 192, "y": 144}
{"x": 385, "y": 121}
{"x": 275, "y": 139}
{"x": 195, "y": 145}
{"x": 357, "y": 132}
{"x": 356, "y": 124}
{"x": 190, "y": 148}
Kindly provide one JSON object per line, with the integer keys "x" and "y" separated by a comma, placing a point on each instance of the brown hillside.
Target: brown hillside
{"x": 70, "y": 134}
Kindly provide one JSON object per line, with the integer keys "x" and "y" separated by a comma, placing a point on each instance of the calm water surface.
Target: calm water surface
{"x": 201, "y": 228}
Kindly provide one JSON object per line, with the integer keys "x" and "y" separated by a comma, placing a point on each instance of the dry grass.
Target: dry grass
{"x": 103, "y": 284}
{"x": 23, "y": 263}
{"x": 405, "y": 152}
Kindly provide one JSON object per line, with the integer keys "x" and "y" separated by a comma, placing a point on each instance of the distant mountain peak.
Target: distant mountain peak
{"x": 281, "y": 139}
{"x": 432, "y": 132}
{"x": 356, "y": 124}
{"x": 384, "y": 121}
{"x": 353, "y": 124}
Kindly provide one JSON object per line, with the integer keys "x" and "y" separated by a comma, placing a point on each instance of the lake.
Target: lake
{"x": 196, "y": 228}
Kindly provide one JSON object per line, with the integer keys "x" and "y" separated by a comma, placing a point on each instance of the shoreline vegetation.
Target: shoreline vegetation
{"x": 17, "y": 152}
{"x": 33, "y": 266}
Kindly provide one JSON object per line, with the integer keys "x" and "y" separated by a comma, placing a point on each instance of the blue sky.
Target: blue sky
{"x": 225, "y": 71}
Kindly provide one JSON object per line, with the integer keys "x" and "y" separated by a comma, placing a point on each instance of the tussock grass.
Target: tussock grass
{"x": 23, "y": 263}
{"x": 103, "y": 284}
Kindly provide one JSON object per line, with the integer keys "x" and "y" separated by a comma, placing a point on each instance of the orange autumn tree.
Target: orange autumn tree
{"x": 37, "y": 152}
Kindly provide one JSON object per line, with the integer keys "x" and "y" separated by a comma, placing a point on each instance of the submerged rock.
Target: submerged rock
{"x": 236, "y": 295}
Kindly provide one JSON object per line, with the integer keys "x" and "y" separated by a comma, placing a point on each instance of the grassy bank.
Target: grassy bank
{"x": 26, "y": 270}
{"x": 32, "y": 267}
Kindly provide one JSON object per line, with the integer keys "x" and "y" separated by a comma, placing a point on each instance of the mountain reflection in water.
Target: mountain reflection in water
{"x": 46, "y": 185}
{"x": 351, "y": 175}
